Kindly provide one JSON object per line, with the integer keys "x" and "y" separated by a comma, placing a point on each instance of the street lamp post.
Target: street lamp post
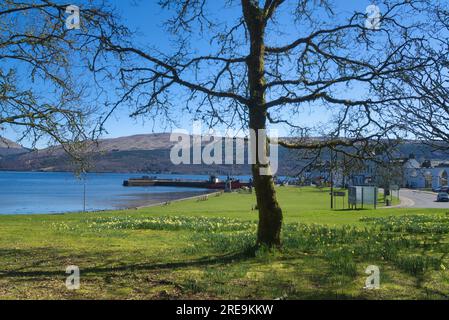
{"x": 332, "y": 180}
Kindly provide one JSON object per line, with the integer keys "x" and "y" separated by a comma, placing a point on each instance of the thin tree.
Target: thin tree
{"x": 426, "y": 116}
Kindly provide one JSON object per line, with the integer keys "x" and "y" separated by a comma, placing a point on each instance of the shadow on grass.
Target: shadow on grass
{"x": 107, "y": 268}
{"x": 50, "y": 264}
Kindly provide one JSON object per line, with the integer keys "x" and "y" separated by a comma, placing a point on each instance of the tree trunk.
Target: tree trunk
{"x": 270, "y": 213}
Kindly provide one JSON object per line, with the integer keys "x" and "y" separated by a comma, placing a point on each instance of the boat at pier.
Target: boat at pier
{"x": 213, "y": 183}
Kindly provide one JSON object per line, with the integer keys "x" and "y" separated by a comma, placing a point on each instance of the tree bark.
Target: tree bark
{"x": 270, "y": 213}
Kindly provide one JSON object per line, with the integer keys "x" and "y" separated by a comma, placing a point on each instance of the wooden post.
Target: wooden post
{"x": 363, "y": 197}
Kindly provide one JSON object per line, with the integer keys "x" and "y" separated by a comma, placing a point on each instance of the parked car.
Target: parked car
{"x": 444, "y": 189}
{"x": 443, "y": 197}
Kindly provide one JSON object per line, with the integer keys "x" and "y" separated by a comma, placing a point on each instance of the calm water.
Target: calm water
{"x": 38, "y": 192}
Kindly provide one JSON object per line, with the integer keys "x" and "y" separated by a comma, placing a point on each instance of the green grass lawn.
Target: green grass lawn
{"x": 203, "y": 250}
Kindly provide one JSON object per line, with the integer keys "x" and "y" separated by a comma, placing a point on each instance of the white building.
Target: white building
{"x": 429, "y": 174}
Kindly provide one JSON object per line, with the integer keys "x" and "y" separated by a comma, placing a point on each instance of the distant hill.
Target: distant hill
{"x": 151, "y": 154}
{"x": 139, "y": 153}
{"x": 147, "y": 142}
{"x": 8, "y": 147}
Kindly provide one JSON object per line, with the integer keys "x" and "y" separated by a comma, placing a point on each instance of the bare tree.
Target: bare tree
{"x": 351, "y": 167}
{"x": 42, "y": 88}
{"x": 426, "y": 116}
{"x": 250, "y": 77}
{"x": 388, "y": 173}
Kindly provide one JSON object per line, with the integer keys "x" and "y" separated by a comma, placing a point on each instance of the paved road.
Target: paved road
{"x": 419, "y": 199}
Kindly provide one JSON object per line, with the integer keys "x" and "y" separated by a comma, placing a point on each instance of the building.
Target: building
{"x": 425, "y": 175}
{"x": 405, "y": 173}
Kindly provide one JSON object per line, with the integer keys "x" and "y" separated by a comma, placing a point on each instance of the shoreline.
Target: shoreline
{"x": 209, "y": 194}
{"x": 170, "y": 198}
{"x": 157, "y": 199}
{"x": 29, "y": 193}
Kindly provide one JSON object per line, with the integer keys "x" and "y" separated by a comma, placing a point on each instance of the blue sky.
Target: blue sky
{"x": 147, "y": 17}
